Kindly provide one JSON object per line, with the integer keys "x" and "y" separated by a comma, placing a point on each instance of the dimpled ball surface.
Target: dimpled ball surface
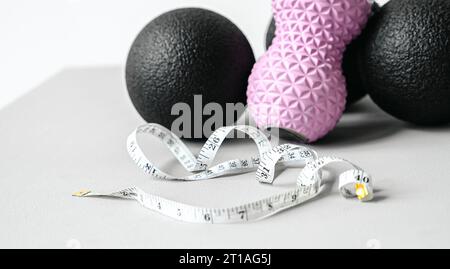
{"x": 298, "y": 83}
{"x": 406, "y": 60}
{"x": 187, "y": 52}
{"x": 350, "y": 64}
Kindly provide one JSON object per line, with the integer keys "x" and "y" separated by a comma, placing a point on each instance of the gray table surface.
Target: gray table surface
{"x": 69, "y": 134}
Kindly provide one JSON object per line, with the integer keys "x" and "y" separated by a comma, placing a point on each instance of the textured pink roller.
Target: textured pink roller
{"x": 298, "y": 83}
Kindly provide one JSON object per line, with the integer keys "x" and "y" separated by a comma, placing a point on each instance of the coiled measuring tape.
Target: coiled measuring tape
{"x": 352, "y": 183}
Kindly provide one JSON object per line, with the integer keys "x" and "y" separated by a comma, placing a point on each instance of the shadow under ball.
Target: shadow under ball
{"x": 187, "y": 52}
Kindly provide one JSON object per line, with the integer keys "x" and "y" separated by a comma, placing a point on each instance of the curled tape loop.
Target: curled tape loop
{"x": 352, "y": 183}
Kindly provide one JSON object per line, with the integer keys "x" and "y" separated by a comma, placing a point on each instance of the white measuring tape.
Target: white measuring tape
{"x": 352, "y": 183}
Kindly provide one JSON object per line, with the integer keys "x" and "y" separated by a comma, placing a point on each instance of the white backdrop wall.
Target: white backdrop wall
{"x": 39, "y": 38}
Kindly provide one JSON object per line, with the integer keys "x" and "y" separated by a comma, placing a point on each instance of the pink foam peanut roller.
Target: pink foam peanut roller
{"x": 298, "y": 85}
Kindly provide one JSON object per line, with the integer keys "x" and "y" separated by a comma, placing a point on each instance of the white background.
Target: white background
{"x": 39, "y": 38}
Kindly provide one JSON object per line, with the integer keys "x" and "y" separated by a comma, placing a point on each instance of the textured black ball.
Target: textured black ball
{"x": 406, "y": 60}
{"x": 355, "y": 87}
{"x": 183, "y": 53}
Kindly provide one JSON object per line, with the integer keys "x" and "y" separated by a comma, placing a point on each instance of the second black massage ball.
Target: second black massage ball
{"x": 406, "y": 60}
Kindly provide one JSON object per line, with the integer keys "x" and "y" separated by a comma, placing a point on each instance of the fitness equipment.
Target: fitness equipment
{"x": 298, "y": 85}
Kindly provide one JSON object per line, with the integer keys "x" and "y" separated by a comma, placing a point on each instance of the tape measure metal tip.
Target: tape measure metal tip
{"x": 363, "y": 192}
{"x": 81, "y": 193}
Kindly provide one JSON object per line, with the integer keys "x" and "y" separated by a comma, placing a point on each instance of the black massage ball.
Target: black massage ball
{"x": 185, "y": 53}
{"x": 406, "y": 60}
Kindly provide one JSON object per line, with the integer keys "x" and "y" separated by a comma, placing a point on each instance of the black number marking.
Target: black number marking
{"x": 242, "y": 213}
{"x": 212, "y": 146}
{"x": 294, "y": 197}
